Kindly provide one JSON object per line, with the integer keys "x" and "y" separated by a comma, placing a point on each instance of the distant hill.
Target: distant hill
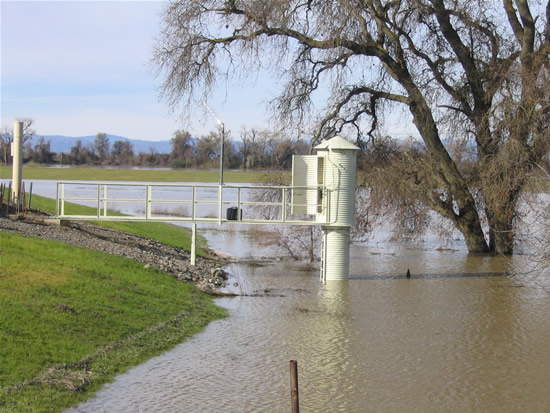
{"x": 60, "y": 143}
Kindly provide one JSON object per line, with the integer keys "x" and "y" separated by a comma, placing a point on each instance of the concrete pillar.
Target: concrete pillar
{"x": 17, "y": 153}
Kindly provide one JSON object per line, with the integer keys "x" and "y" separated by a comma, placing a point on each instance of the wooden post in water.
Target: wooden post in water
{"x": 294, "y": 386}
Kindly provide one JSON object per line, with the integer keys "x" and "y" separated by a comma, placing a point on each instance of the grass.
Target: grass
{"x": 169, "y": 234}
{"x": 140, "y": 175}
{"x": 73, "y": 318}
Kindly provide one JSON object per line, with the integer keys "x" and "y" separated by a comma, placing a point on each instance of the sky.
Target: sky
{"x": 82, "y": 67}
{"x": 78, "y": 68}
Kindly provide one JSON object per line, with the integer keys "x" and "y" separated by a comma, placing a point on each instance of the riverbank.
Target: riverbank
{"x": 83, "y": 303}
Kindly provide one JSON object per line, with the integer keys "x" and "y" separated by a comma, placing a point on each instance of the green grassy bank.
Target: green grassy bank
{"x": 166, "y": 233}
{"x": 153, "y": 175}
{"x": 73, "y": 318}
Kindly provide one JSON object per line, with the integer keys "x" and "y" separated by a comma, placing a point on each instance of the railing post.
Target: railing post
{"x": 193, "y": 243}
{"x": 283, "y": 204}
{"x": 148, "y": 196}
{"x": 57, "y": 199}
{"x": 17, "y": 153}
{"x": 220, "y": 199}
{"x": 105, "y": 200}
{"x": 62, "y": 199}
{"x": 30, "y": 196}
{"x": 98, "y": 200}
{"x": 239, "y": 213}
{"x": 193, "y": 215}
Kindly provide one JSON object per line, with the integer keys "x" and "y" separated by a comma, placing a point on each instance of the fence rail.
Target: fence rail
{"x": 196, "y": 203}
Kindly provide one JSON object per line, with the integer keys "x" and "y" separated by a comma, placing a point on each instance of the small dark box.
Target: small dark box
{"x": 233, "y": 214}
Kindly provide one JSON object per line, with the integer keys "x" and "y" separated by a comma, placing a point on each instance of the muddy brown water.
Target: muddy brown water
{"x": 459, "y": 335}
{"x": 463, "y": 334}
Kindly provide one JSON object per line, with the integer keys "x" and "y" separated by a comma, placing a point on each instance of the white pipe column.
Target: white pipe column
{"x": 339, "y": 177}
{"x": 16, "y": 151}
{"x": 336, "y": 265}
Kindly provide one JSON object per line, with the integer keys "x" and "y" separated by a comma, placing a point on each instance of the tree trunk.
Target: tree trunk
{"x": 475, "y": 242}
{"x": 470, "y": 227}
{"x": 501, "y": 225}
{"x": 467, "y": 220}
{"x": 501, "y": 237}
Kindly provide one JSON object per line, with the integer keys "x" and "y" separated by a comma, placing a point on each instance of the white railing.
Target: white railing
{"x": 187, "y": 203}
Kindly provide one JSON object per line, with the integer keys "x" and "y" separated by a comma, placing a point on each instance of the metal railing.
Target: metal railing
{"x": 196, "y": 203}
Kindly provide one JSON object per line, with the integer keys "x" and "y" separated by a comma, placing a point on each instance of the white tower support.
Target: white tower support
{"x": 340, "y": 165}
{"x": 16, "y": 151}
{"x": 336, "y": 253}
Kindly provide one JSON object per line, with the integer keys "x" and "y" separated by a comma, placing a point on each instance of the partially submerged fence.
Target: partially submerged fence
{"x": 190, "y": 203}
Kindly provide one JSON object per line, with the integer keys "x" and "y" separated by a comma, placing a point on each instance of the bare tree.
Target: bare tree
{"x": 247, "y": 138}
{"x": 260, "y": 149}
{"x": 535, "y": 230}
{"x": 41, "y": 152}
{"x": 270, "y": 149}
{"x": 478, "y": 71}
{"x": 182, "y": 145}
{"x": 207, "y": 150}
{"x": 82, "y": 155}
{"x": 101, "y": 146}
{"x": 122, "y": 152}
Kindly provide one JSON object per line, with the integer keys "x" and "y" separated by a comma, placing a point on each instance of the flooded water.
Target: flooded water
{"x": 465, "y": 333}
{"x": 459, "y": 335}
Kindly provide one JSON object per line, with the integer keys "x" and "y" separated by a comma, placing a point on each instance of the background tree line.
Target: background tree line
{"x": 255, "y": 149}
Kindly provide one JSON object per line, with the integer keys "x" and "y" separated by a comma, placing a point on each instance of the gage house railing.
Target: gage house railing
{"x": 195, "y": 203}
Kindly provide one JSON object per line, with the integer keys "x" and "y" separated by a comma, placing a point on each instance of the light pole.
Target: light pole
{"x": 222, "y": 128}
{"x": 220, "y": 188}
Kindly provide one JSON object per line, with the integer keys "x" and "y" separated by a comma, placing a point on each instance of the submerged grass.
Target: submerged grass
{"x": 72, "y": 319}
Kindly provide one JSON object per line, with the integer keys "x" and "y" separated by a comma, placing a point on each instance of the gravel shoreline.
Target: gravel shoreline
{"x": 208, "y": 274}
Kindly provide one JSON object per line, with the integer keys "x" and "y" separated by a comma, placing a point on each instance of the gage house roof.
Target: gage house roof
{"x": 336, "y": 143}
